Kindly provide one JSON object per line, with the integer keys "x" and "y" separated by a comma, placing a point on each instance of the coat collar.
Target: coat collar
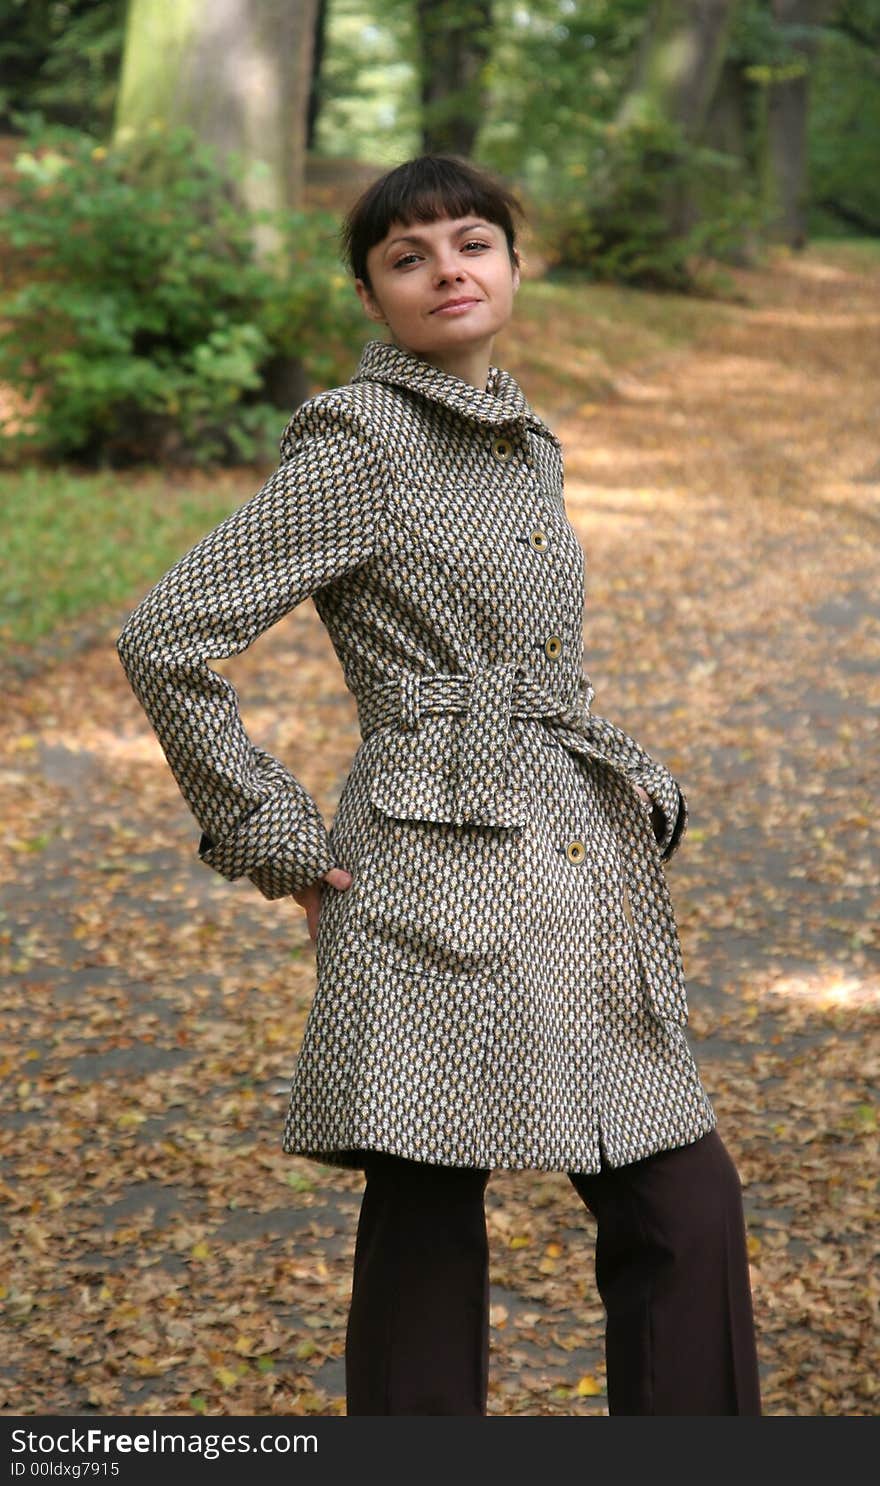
{"x": 503, "y": 401}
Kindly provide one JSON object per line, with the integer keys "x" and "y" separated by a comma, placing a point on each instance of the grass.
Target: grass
{"x": 850, "y": 252}
{"x": 83, "y": 544}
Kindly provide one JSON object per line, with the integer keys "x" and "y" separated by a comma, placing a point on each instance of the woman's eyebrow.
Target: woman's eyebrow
{"x": 415, "y": 238}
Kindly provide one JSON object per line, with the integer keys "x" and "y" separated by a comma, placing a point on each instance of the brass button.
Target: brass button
{"x": 539, "y": 540}
{"x": 553, "y": 647}
{"x": 502, "y": 448}
{"x": 575, "y": 851}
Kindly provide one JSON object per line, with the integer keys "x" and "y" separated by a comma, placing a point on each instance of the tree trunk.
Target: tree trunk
{"x": 728, "y": 128}
{"x": 677, "y": 69}
{"x": 238, "y": 73}
{"x": 727, "y": 122}
{"x": 678, "y": 63}
{"x": 314, "y": 105}
{"x": 455, "y": 39}
{"x": 787, "y": 113}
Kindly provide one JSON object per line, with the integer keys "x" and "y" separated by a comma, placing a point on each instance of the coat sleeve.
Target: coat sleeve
{"x": 669, "y": 813}
{"x": 313, "y": 521}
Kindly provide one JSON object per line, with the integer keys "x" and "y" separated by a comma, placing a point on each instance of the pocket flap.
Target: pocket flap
{"x": 421, "y": 774}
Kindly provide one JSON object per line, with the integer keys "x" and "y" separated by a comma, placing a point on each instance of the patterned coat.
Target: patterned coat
{"x": 502, "y": 983}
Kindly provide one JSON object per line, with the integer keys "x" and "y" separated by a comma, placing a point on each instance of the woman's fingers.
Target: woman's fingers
{"x": 309, "y": 897}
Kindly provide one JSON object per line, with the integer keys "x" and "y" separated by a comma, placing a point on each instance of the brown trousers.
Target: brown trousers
{"x": 671, "y": 1269}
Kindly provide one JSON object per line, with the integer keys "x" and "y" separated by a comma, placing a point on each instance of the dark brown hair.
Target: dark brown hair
{"x": 425, "y": 189}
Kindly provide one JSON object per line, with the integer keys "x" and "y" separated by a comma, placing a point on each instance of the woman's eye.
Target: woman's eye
{"x": 474, "y": 243}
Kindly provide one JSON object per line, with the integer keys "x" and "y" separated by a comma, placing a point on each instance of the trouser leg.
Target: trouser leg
{"x": 672, "y": 1271}
{"x": 417, "y": 1340}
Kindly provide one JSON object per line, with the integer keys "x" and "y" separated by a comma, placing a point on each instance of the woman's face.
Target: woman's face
{"x": 419, "y": 268}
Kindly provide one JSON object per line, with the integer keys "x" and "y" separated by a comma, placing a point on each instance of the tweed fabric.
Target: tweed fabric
{"x": 502, "y": 984}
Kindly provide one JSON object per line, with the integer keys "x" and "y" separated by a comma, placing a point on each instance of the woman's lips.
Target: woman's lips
{"x": 456, "y": 309}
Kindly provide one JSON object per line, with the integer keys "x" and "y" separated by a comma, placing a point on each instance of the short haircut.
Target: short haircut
{"x": 425, "y": 189}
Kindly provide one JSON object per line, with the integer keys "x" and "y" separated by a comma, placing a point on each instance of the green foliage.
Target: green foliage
{"x": 60, "y": 57}
{"x": 624, "y": 215}
{"x": 78, "y": 545}
{"x": 368, "y": 84}
{"x": 141, "y": 323}
{"x": 844, "y": 125}
{"x": 557, "y": 73}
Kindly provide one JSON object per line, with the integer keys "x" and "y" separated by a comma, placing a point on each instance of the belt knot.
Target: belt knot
{"x": 489, "y": 698}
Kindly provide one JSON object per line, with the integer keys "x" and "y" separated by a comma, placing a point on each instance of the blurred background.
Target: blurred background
{"x": 172, "y": 177}
{"x": 699, "y": 322}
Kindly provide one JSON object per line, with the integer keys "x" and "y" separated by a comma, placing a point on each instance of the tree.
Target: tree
{"x": 677, "y": 70}
{"x": 60, "y": 58}
{"x": 455, "y": 40}
{"x": 318, "y": 50}
{"x": 801, "y": 23}
{"x": 238, "y": 72}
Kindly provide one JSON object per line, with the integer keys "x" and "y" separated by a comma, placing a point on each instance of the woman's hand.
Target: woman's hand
{"x": 309, "y": 897}
{"x": 644, "y": 794}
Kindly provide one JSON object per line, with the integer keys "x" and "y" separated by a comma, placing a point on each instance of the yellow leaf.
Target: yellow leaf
{"x": 754, "y": 1246}
{"x": 103, "y": 1398}
{"x": 225, "y": 1377}
{"x": 521, "y": 1241}
{"x": 553, "y": 1251}
{"x": 244, "y": 1345}
{"x": 200, "y": 1251}
{"x": 588, "y": 1387}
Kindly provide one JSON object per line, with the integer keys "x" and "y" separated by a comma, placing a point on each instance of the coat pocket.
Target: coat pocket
{"x": 448, "y": 897}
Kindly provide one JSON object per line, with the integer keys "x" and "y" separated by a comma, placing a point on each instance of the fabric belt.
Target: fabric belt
{"x": 489, "y": 699}
{"x": 486, "y": 694}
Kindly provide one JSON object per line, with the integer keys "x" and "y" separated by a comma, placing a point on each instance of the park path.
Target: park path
{"x": 163, "y": 1254}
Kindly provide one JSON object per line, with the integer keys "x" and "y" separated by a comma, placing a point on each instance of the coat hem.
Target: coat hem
{"x": 351, "y": 1157}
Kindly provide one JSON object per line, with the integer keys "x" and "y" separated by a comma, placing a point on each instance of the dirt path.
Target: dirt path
{"x": 165, "y": 1256}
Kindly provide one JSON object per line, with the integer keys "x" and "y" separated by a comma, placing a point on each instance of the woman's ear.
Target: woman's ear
{"x": 371, "y": 309}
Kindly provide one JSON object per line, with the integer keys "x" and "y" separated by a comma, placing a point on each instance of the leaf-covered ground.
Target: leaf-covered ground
{"x": 161, "y": 1254}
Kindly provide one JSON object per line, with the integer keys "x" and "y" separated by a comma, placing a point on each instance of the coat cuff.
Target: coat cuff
{"x": 282, "y": 845}
{"x": 669, "y": 812}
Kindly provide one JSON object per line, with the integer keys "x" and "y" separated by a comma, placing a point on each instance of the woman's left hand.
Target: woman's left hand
{"x": 644, "y": 795}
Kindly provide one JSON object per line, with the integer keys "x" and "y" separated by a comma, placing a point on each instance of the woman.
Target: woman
{"x": 499, "y": 978}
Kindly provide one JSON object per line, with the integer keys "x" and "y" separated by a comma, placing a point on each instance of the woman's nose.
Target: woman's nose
{"x": 446, "y": 271}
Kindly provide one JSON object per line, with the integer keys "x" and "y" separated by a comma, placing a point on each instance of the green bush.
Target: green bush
{"x": 647, "y": 209}
{"x": 141, "y": 326}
